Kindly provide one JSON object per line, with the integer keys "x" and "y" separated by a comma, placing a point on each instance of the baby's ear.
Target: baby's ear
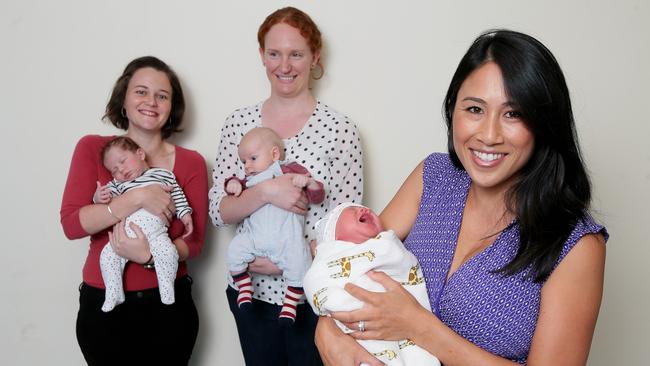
{"x": 275, "y": 152}
{"x": 141, "y": 154}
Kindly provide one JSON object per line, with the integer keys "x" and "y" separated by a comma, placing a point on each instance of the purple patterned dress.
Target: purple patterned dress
{"x": 494, "y": 312}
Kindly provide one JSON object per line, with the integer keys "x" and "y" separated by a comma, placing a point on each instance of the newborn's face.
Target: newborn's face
{"x": 357, "y": 224}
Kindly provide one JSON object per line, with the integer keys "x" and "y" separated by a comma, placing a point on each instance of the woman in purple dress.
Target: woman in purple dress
{"x": 513, "y": 261}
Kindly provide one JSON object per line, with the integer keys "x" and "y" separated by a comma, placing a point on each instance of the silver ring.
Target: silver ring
{"x": 361, "y": 326}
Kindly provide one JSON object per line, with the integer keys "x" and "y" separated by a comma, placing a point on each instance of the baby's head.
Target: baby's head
{"x": 124, "y": 159}
{"x": 349, "y": 222}
{"x": 259, "y": 148}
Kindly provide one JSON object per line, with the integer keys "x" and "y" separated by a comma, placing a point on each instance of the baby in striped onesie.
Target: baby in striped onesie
{"x": 126, "y": 162}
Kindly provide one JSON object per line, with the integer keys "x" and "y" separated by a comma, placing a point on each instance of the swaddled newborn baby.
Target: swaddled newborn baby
{"x": 351, "y": 242}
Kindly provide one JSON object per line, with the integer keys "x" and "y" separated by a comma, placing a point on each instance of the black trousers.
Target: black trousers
{"x": 143, "y": 327}
{"x": 264, "y": 342}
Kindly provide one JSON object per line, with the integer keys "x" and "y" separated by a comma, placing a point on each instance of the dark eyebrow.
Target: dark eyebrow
{"x": 474, "y": 99}
{"x": 509, "y": 103}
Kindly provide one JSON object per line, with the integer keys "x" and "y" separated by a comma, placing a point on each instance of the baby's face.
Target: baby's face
{"x": 125, "y": 165}
{"x": 256, "y": 155}
{"x": 357, "y": 224}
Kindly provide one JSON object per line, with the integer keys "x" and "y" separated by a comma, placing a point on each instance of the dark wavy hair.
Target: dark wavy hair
{"x": 552, "y": 191}
{"x": 116, "y": 102}
{"x": 122, "y": 142}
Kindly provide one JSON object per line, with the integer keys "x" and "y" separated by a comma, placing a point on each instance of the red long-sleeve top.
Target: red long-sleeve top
{"x": 86, "y": 168}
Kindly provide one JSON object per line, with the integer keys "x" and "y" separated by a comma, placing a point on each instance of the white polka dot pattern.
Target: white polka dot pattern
{"x": 328, "y": 146}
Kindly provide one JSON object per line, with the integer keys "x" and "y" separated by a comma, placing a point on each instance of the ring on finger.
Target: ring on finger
{"x": 361, "y": 326}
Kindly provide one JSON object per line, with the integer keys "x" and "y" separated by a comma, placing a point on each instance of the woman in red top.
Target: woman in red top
{"x": 147, "y": 102}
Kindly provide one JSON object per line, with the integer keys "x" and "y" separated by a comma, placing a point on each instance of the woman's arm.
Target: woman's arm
{"x": 400, "y": 213}
{"x": 154, "y": 198}
{"x": 346, "y": 165}
{"x": 192, "y": 177}
{"x": 396, "y": 315}
{"x": 569, "y": 307}
{"x": 279, "y": 192}
{"x": 225, "y": 209}
{"x": 79, "y": 216}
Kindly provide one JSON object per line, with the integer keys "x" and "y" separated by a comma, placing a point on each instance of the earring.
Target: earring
{"x": 123, "y": 112}
{"x": 313, "y": 66}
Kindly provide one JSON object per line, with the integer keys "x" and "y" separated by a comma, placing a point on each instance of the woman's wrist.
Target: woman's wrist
{"x": 148, "y": 264}
{"x": 424, "y": 325}
{"x": 261, "y": 191}
{"x": 123, "y": 205}
{"x": 110, "y": 212}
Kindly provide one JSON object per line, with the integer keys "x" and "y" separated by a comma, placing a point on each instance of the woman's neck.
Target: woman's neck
{"x": 287, "y": 116}
{"x": 158, "y": 152}
{"x": 302, "y": 104}
{"x": 490, "y": 203}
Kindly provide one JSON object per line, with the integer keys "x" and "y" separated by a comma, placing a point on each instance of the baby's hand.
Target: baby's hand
{"x": 234, "y": 187}
{"x": 300, "y": 180}
{"x": 102, "y": 194}
{"x": 189, "y": 226}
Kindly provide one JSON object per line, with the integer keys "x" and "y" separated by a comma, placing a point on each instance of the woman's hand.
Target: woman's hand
{"x": 281, "y": 192}
{"x": 336, "y": 348}
{"x": 156, "y": 199}
{"x": 390, "y": 315}
{"x": 133, "y": 249}
{"x": 263, "y": 265}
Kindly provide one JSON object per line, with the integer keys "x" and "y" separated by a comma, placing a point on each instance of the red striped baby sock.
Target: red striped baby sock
{"x": 289, "y": 306}
{"x": 245, "y": 286}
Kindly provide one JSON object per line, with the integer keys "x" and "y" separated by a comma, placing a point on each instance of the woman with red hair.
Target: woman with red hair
{"x": 316, "y": 136}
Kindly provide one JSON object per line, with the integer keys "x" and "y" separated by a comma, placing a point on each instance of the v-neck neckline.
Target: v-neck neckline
{"x": 448, "y": 277}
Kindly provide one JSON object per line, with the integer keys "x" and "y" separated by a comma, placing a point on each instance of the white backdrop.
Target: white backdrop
{"x": 388, "y": 64}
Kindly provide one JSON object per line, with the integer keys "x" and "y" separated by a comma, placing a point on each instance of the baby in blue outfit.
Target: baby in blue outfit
{"x": 270, "y": 231}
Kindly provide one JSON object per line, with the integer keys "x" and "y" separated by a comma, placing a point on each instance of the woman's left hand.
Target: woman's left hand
{"x": 133, "y": 249}
{"x": 390, "y": 315}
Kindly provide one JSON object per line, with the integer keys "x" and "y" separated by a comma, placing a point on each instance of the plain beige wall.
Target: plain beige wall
{"x": 388, "y": 64}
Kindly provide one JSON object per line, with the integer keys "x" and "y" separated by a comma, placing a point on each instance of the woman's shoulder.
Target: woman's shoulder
{"x": 239, "y": 121}
{"x": 252, "y": 111}
{"x": 92, "y": 144}
{"x": 94, "y": 140}
{"x": 586, "y": 225}
{"x": 324, "y": 110}
{"x": 438, "y": 167}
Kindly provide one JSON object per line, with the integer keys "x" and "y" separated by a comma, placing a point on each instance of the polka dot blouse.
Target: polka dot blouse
{"x": 328, "y": 146}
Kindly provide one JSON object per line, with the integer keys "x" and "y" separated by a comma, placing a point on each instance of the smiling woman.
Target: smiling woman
{"x": 147, "y": 102}
{"x": 315, "y": 136}
{"x": 500, "y": 225}
{"x": 148, "y": 99}
{"x": 491, "y": 140}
